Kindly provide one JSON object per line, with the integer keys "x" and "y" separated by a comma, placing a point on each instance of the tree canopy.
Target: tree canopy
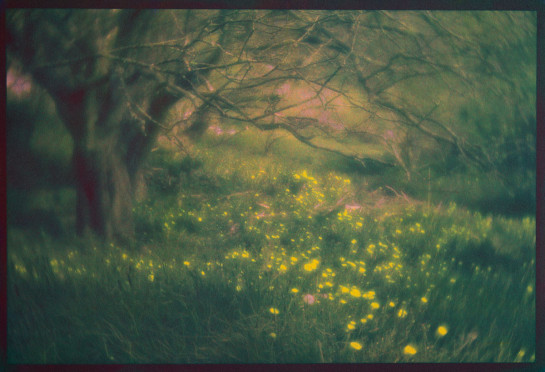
{"x": 424, "y": 87}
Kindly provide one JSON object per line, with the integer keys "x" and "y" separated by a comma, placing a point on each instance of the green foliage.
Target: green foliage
{"x": 267, "y": 268}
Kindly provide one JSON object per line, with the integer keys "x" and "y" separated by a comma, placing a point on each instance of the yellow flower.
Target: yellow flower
{"x": 442, "y": 330}
{"x": 187, "y": 263}
{"x": 424, "y": 299}
{"x": 375, "y": 305}
{"x": 151, "y": 277}
{"x": 311, "y": 266}
{"x": 370, "y": 316}
{"x": 409, "y": 350}
{"x": 354, "y": 241}
{"x": 392, "y": 304}
{"x": 351, "y": 326}
{"x": 124, "y": 256}
{"x": 355, "y": 292}
{"x": 402, "y": 313}
{"x": 370, "y": 295}
{"x": 355, "y": 345}
{"x": 273, "y": 335}
{"x": 274, "y": 310}
{"x": 294, "y": 290}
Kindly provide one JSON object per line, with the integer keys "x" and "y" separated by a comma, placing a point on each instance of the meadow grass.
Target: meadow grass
{"x": 257, "y": 259}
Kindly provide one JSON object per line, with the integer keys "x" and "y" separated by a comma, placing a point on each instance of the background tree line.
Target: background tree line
{"x": 387, "y": 91}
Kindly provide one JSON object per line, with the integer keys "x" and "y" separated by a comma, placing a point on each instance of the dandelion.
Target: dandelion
{"x": 363, "y": 320}
{"x": 272, "y": 334}
{"x": 424, "y": 299}
{"x": 375, "y": 305}
{"x": 124, "y": 256}
{"x": 441, "y": 331}
{"x": 355, "y": 345}
{"x": 520, "y": 355}
{"x": 351, "y": 326}
{"x": 274, "y": 311}
{"x": 187, "y": 263}
{"x": 354, "y": 241}
{"x": 402, "y": 313}
{"x": 311, "y": 266}
{"x": 354, "y": 292}
{"x": 294, "y": 290}
{"x": 151, "y": 277}
{"x": 392, "y": 304}
{"x": 409, "y": 350}
{"x": 369, "y": 295}
{"x": 370, "y": 316}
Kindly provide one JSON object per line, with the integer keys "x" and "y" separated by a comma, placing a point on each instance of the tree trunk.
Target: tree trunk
{"x": 104, "y": 194}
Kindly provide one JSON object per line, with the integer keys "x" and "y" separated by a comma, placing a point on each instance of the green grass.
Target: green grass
{"x": 223, "y": 266}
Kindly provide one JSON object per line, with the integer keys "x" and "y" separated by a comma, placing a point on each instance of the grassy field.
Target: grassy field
{"x": 275, "y": 257}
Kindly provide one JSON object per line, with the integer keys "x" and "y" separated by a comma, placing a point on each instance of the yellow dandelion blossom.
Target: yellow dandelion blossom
{"x": 442, "y": 330}
{"x": 370, "y": 316}
{"x": 272, "y": 334}
{"x": 402, "y": 313}
{"x": 274, "y": 311}
{"x": 355, "y": 345}
{"x": 354, "y": 292}
{"x": 370, "y": 295}
{"x": 375, "y": 305}
{"x": 151, "y": 277}
{"x": 409, "y": 350}
{"x": 294, "y": 290}
{"x": 354, "y": 241}
{"x": 424, "y": 299}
